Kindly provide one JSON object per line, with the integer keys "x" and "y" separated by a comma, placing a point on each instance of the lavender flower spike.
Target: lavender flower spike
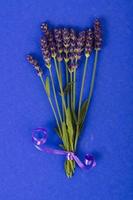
{"x": 46, "y": 51}
{"x": 34, "y": 62}
{"x": 97, "y": 35}
{"x": 89, "y": 42}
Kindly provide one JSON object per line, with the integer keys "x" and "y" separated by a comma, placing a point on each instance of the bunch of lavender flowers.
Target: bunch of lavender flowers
{"x": 68, "y": 46}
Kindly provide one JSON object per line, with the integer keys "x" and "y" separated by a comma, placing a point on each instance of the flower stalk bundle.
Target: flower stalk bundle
{"x": 58, "y": 46}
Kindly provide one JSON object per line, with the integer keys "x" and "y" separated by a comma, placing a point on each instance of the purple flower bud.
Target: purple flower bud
{"x": 71, "y": 56}
{"x": 58, "y": 41}
{"x": 44, "y": 28}
{"x": 66, "y": 39}
{"x": 57, "y": 34}
{"x": 51, "y": 44}
{"x": 82, "y": 35}
{"x": 80, "y": 44}
{"x": 81, "y": 40}
{"x": 78, "y": 56}
{"x": 73, "y": 35}
{"x": 66, "y": 58}
{"x": 72, "y": 65}
{"x": 59, "y": 57}
{"x": 44, "y": 42}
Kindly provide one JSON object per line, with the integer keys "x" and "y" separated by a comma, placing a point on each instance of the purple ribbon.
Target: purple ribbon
{"x": 39, "y": 138}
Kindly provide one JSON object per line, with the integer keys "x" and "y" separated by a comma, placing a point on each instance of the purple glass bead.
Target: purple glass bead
{"x": 90, "y": 161}
{"x": 39, "y": 136}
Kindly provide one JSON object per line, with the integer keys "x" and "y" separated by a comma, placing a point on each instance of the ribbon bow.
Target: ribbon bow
{"x": 39, "y": 138}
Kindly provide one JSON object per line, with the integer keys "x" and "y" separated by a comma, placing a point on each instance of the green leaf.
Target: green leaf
{"x": 69, "y": 125}
{"x": 69, "y": 121}
{"x": 47, "y": 86}
{"x": 65, "y": 136}
{"x": 58, "y": 132}
{"x": 62, "y": 146}
{"x": 74, "y": 115}
{"x": 61, "y": 94}
{"x": 83, "y": 112}
{"x": 67, "y": 88}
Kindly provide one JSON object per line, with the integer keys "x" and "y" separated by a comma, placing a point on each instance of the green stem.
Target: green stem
{"x": 82, "y": 86}
{"x": 92, "y": 80}
{"x": 60, "y": 71}
{"x": 60, "y": 84}
{"x": 80, "y": 101}
{"x": 60, "y": 75}
{"x": 71, "y": 80}
{"x": 56, "y": 101}
{"x": 74, "y": 89}
{"x": 67, "y": 80}
{"x": 53, "y": 109}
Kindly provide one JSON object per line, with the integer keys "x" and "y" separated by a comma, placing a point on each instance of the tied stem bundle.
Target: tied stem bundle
{"x": 66, "y": 48}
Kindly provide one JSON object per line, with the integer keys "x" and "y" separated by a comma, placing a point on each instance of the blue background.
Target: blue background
{"x": 27, "y": 174}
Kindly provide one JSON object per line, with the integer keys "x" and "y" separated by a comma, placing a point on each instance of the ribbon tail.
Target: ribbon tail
{"x": 50, "y": 150}
{"x": 78, "y": 161}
